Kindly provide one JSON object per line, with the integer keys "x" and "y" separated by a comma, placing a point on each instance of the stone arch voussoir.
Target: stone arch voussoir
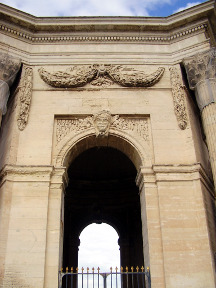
{"x": 138, "y": 152}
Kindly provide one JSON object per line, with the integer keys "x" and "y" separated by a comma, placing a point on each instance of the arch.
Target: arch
{"x": 102, "y": 189}
{"x": 139, "y": 153}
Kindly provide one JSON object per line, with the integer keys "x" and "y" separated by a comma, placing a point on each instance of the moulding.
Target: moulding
{"x": 145, "y": 177}
{"x": 180, "y": 172}
{"x": 87, "y": 37}
{"x": 138, "y": 151}
{"x": 173, "y": 173}
{"x": 24, "y": 173}
{"x": 59, "y": 178}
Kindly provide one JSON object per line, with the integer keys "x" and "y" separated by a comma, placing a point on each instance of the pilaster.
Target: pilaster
{"x": 55, "y": 224}
{"x": 175, "y": 236}
{"x": 151, "y": 227}
{"x": 23, "y": 235}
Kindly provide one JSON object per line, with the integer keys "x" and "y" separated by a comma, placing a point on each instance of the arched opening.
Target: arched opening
{"x": 99, "y": 247}
{"x": 102, "y": 189}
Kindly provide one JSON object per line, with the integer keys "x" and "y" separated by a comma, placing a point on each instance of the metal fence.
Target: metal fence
{"x": 135, "y": 278}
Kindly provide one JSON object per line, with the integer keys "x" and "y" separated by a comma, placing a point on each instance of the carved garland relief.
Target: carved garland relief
{"x": 100, "y": 75}
{"x": 25, "y": 95}
{"x": 178, "y": 92}
{"x": 102, "y": 122}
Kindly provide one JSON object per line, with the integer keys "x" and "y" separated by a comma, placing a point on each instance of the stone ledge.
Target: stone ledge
{"x": 174, "y": 173}
{"x": 24, "y": 173}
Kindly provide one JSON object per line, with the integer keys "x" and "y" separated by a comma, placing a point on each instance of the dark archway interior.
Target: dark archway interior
{"x": 102, "y": 189}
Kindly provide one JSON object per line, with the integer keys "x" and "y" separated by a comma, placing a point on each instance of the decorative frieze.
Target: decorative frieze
{"x": 102, "y": 122}
{"x": 178, "y": 92}
{"x": 170, "y": 37}
{"x": 100, "y": 75}
{"x": 25, "y": 95}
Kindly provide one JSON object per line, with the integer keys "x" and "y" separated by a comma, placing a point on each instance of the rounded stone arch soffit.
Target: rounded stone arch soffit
{"x": 138, "y": 153}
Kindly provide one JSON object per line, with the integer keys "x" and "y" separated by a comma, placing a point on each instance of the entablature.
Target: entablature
{"x": 106, "y": 29}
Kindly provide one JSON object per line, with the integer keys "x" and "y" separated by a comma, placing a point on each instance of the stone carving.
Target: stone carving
{"x": 9, "y": 67}
{"x": 25, "y": 95}
{"x": 102, "y": 81}
{"x": 31, "y": 37}
{"x": 133, "y": 125}
{"x": 201, "y": 73}
{"x": 102, "y": 122}
{"x": 75, "y": 76}
{"x": 99, "y": 75}
{"x": 178, "y": 92}
{"x": 75, "y": 125}
{"x": 201, "y": 66}
{"x": 130, "y": 77}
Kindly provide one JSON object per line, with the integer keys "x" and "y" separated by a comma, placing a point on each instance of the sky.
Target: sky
{"x": 153, "y": 8}
{"x": 99, "y": 248}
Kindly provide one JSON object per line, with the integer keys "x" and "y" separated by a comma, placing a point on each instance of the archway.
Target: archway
{"x": 102, "y": 189}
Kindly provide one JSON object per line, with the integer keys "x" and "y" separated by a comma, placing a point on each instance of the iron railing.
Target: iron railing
{"x": 135, "y": 278}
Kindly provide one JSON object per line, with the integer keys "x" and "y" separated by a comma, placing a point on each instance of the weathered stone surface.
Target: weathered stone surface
{"x": 115, "y": 86}
{"x": 9, "y": 66}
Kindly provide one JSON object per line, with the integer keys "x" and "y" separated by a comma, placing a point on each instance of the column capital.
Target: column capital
{"x": 200, "y": 67}
{"x": 9, "y": 66}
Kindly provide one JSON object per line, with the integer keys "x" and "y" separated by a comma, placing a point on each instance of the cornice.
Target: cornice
{"x": 174, "y": 173}
{"x": 57, "y": 38}
{"x": 23, "y": 173}
{"x": 105, "y": 29}
{"x": 96, "y": 24}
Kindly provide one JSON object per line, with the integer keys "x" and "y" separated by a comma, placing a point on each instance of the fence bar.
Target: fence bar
{"x": 93, "y": 276}
{"x": 133, "y": 279}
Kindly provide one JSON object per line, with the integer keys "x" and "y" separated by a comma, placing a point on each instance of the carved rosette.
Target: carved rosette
{"x": 25, "y": 95}
{"x": 102, "y": 122}
{"x": 101, "y": 75}
{"x": 178, "y": 93}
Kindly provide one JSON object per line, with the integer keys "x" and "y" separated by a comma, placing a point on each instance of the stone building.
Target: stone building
{"x": 109, "y": 119}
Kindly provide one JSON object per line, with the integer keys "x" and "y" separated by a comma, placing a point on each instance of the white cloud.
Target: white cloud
{"x": 86, "y": 7}
{"x": 99, "y": 247}
{"x": 189, "y": 5}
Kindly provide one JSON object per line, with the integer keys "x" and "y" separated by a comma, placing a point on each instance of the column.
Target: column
{"x": 201, "y": 73}
{"x": 9, "y": 67}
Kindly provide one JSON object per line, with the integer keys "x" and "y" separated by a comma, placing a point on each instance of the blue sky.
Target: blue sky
{"x": 155, "y": 8}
